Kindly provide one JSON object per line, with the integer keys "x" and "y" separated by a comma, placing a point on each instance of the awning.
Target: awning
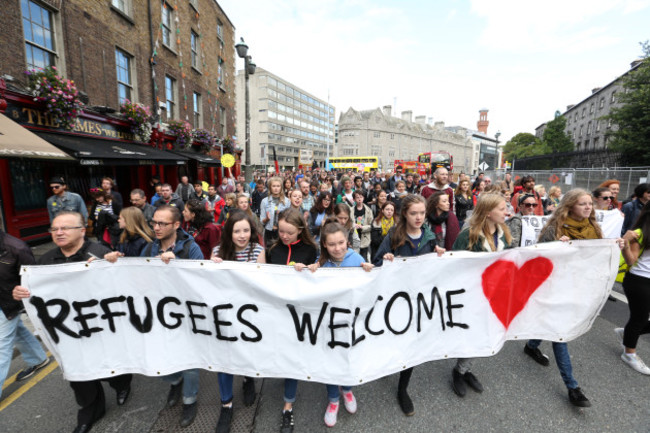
{"x": 92, "y": 151}
{"x": 19, "y": 142}
{"x": 201, "y": 158}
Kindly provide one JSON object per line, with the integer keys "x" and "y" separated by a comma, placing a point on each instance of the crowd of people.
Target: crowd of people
{"x": 321, "y": 219}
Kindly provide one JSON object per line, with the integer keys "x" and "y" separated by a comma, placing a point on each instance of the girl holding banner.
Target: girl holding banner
{"x": 335, "y": 253}
{"x": 574, "y": 218}
{"x": 238, "y": 243}
{"x": 410, "y": 237}
{"x": 485, "y": 231}
{"x": 294, "y": 247}
{"x": 635, "y": 285}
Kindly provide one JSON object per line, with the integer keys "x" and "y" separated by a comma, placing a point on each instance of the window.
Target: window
{"x": 39, "y": 35}
{"x": 170, "y": 97}
{"x": 602, "y": 103}
{"x": 597, "y": 125}
{"x": 194, "y": 47}
{"x": 584, "y": 111}
{"x": 223, "y": 130}
{"x": 580, "y": 134}
{"x": 589, "y": 128}
{"x": 124, "y": 82}
{"x": 123, "y": 6}
{"x": 591, "y": 108}
{"x": 167, "y": 25}
{"x": 220, "y": 30}
{"x": 575, "y": 118}
{"x": 198, "y": 110}
{"x": 220, "y": 72}
{"x": 613, "y": 99}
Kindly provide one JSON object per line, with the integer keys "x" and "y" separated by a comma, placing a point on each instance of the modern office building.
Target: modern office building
{"x": 286, "y": 118}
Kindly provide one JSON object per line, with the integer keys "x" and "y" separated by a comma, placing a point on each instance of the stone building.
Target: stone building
{"x": 585, "y": 125}
{"x": 285, "y": 117}
{"x": 377, "y": 133}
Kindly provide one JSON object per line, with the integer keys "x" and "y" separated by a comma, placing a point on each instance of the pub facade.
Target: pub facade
{"x": 176, "y": 58}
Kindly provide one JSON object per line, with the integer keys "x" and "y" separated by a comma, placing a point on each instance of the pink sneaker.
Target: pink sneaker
{"x": 350, "y": 402}
{"x": 331, "y": 414}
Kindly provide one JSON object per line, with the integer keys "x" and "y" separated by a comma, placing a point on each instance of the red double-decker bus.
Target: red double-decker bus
{"x": 437, "y": 159}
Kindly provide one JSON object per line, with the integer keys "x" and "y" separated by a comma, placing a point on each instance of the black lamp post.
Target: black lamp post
{"x": 496, "y": 136}
{"x": 249, "y": 69}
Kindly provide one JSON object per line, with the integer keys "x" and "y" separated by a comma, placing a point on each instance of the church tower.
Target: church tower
{"x": 482, "y": 124}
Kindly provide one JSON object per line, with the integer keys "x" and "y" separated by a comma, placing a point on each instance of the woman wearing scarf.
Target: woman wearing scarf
{"x": 442, "y": 223}
{"x": 574, "y": 218}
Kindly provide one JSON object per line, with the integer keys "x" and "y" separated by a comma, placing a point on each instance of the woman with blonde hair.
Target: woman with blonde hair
{"x": 555, "y": 194}
{"x": 271, "y": 207}
{"x": 484, "y": 231}
{"x": 136, "y": 234}
{"x": 574, "y": 218}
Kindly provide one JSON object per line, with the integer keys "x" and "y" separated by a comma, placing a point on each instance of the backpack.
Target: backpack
{"x": 622, "y": 265}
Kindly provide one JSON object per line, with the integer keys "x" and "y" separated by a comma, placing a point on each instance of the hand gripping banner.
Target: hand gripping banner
{"x": 343, "y": 326}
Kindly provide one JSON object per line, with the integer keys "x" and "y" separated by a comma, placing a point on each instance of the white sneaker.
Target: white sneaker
{"x": 331, "y": 414}
{"x": 619, "y": 334}
{"x": 633, "y": 360}
{"x": 350, "y": 402}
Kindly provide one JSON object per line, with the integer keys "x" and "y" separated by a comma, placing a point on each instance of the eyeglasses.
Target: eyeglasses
{"x": 607, "y": 198}
{"x": 161, "y": 224}
{"x": 530, "y": 204}
{"x": 55, "y": 186}
{"x": 63, "y": 229}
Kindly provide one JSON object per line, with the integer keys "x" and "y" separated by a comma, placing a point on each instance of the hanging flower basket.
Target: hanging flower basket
{"x": 139, "y": 116}
{"x": 202, "y": 138}
{"x": 183, "y": 132}
{"x": 228, "y": 144}
{"x": 59, "y": 95}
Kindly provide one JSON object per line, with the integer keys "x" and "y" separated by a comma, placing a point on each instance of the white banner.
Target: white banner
{"x": 611, "y": 222}
{"x": 342, "y": 326}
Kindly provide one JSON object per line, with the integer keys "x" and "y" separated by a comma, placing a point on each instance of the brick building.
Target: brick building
{"x": 176, "y": 57}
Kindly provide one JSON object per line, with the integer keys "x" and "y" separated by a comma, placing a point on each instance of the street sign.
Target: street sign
{"x": 554, "y": 178}
{"x": 483, "y": 166}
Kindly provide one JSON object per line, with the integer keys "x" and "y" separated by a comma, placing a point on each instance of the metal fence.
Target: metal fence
{"x": 586, "y": 178}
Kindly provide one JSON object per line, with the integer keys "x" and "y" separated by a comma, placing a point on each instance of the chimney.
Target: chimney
{"x": 482, "y": 124}
{"x": 429, "y": 120}
{"x": 387, "y": 110}
{"x": 439, "y": 125}
{"x": 420, "y": 119}
{"x": 635, "y": 63}
{"x": 407, "y": 116}
{"x": 595, "y": 89}
{"x": 568, "y": 107}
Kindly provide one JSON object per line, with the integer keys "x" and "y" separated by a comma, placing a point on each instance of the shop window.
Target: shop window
{"x": 27, "y": 184}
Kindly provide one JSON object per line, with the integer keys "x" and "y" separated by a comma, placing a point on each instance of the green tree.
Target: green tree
{"x": 555, "y": 139}
{"x": 631, "y": 134}
{"x": 523, "y": 145}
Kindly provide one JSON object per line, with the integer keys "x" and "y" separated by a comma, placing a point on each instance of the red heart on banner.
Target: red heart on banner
{"x": 508, "y": 287}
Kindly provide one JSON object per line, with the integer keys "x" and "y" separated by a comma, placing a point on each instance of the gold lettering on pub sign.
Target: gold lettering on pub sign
{"x": 82, "y": 126}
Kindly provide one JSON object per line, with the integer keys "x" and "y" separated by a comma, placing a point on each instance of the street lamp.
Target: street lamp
{"x": 249, "y": 69}
{"x": 496, "y": 136}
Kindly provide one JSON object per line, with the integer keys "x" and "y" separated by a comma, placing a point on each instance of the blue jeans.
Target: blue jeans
{"x": 562, "y": 359}
{"x": 333, "y": 393}
{"x": 290, "y": 390}
{"x": 225, "y": 387}
{"x": 190, "y": 383}
{"x": 13, "y": 331}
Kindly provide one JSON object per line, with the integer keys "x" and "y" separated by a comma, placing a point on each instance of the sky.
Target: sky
{"x": 446, "y": 59}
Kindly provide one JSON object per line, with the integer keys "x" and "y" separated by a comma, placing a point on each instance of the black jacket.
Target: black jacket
{"x": 14, "y": 253}
{"x": 88, "y": 249}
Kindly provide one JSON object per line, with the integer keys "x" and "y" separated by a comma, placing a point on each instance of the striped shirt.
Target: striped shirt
{"x": 242, "y": 256}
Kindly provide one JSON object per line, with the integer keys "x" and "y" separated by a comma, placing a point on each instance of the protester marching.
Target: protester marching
{"x": 302, "y": 222}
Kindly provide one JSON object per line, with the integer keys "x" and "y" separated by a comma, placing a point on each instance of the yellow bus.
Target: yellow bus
{"x": 354, "y": 163}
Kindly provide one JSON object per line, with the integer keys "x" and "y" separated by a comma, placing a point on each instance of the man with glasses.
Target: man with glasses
{"x": 139, "y": 200}
{"x": 68, "y": 233}
{"x": 528, "y": 187}
{"x": 63, "y": 200}
{"x": 168, "y": 197}
{"x": 172, "y": 242}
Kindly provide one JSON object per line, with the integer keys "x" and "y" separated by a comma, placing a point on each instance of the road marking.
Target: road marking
{"x": 12, "y": 379}
{"x": 28, "y": 385}
{"x": 619, "y": 296}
